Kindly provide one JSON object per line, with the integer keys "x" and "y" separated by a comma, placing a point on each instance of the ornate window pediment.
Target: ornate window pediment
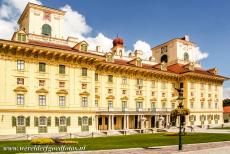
{"x": 124, "y": 98}
{"x": 153, "y": 99}
{"x": 42, "y": 90}
{"x": 110, "y": 97}
{"x": 20, "y": 89}
{"x": 85, "y": 93}
{"x": 139, "y": 98}
{"x": 62, "y": 91}
{"x": 97, "y": 96}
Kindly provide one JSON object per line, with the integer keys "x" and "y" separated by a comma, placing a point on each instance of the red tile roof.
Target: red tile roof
{"x": 227, "y": 109}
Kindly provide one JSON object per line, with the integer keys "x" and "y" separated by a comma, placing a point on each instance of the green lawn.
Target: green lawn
{"x": 130, "y": 141}
{"x": 221, "y": 128}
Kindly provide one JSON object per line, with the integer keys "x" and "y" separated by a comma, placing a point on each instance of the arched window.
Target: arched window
{"x": 186, "y": 56}
{"x": 46, "y": 30}
{"x": 164, "y": 58}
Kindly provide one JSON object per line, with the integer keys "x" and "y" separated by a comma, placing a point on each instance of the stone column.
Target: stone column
{"x": 127, "y": 126}
{"x": 138, "y": 121}
{"x": 109, "y": 122}
{"x": 124, "y": 122}
{"x": 112, "y": 122}
{"x": 96, "y": 122}
{"x": 155, "y": 124}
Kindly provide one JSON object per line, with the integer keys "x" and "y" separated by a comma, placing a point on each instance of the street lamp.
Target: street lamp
{"x": 180, "y": 106}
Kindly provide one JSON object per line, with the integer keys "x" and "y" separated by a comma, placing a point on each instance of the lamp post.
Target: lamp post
{"x": 180, "y": 106}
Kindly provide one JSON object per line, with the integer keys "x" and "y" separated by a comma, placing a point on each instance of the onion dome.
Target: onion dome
{"x": 118, "y": 41}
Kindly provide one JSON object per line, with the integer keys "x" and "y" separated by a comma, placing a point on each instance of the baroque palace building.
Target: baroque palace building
{"x": 53, "y": 85}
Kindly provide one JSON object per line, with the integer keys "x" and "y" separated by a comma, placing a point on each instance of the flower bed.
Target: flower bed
{"x": 50, "y": 141}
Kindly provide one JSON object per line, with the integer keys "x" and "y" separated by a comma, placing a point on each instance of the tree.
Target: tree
{"x": 226, "y": 102}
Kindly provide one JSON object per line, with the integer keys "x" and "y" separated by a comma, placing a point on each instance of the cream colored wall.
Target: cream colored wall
{"x": 36, "y": 21}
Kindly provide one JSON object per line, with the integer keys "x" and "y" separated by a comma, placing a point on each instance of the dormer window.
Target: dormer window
{"x": 83, "y": 47}
{"x": 21, "y": 37}
{"x": 138, "y": 63}
{"x": 46, "y": 30}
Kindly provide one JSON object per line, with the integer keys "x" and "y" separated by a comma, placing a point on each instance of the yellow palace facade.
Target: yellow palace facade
{"x": 52, "y": 85}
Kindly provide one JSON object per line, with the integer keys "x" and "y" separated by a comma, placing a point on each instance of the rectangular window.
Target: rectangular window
{"x": 96, "y": 103}
{"x": 163, "y": 85}
{"x": 61, "y": 100}
{"x": 63, "y": 121}
{"x": 21, "y": 121}
{"x": 124, "y": 104}
{"x": 153, "y": 105}
{"x": 163, "y": 94}
{"x": 96, "y": 90}
{"x": 41, "y": 82}
{"x": 173, "y": 105}
{"x": 153, "y": 93}
{"x": 61, "y": 84}
{"x": 110, "y": 91}
{"x": 163, "y": 105}
{"x": 84, "y": 72}
{"x": 202, "y": 105}
{"x": 20, "y": 65}
{"x": 20, "y": 81}
{"x": 42, "y": 67}
{"x": 61, "y": 69}
{"x": 42, "y": 121}
{"x": 209, "y": 105}
{"x": 84, "y": 85}
{"x": 42, "y": 100}
{"x": 124, "y": 92}
{"x": 139, "y": 82}
{"x": 110, "y": 78}
{"x": 209, "y": 87}
{"x": 110, "y": 104}
{"x": 21, "y": 37}
{"x": 191, "y": 105}
{"x": 153, "y": 84}
{"x": 84, "y": 101}
{"x": 96, "y": 77}
{"x": 139, "y": 105}
{"x": 124, "y": 81}
{"x": 216, "y": 105}
{"x": 192, "y": 85}
{"x": 202, "y": 86}
{"x": 20, "y": 99}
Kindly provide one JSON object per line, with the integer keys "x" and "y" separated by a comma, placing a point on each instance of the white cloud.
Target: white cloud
{"x": 197, "y": 54}
{"x": 226, "y": 93}
{"x": 10, "y": 11}
{"x": 74, "y": 23}
{"x": 100, "y": 40}
{"x": 144, "y": 47}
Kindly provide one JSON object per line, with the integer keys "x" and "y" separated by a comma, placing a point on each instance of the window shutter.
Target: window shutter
{"x": 90, "y": 121}
{"x": 79, "y": 121}
{"x": 56, "y": 121}
{"x": 35, "y": 121}
{"x": 28, "y": 121}
{"x": 49, "y": 121}
{"x": 13, "y": 121}
{"x": 68, "y": 121}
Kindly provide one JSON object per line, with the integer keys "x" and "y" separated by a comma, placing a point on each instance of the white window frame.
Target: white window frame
{"x": 20, "y": 65}
{"x": 62, "y": 100}
{"x": 20, "y": 99}
{"x": 42, "y": 100}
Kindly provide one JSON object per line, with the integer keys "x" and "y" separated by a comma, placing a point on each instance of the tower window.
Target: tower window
{"x": 186, "y": 56}
{"x": 164, "y": 58}
{"x": 46, "y": 30}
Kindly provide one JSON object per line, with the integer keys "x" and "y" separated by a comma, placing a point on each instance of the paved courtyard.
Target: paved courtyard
{"x": 202, "y": 148}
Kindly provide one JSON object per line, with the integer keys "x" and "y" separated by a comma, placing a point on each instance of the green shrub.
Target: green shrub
{"x": 42, "y": 141}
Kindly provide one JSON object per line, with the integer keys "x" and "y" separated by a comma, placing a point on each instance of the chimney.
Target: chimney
{"x": 186, "y": 38}
{"x": 98, "y": 48}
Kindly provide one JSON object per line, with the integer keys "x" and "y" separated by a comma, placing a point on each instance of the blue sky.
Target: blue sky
{"x": 207, "y": 22}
